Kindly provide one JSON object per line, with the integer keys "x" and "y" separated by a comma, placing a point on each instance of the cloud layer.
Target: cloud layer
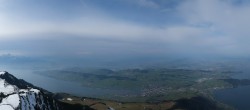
{"x": 201, "y": 27}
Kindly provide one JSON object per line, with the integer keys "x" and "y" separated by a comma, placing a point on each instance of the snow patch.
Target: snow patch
{"x": 6, "y": 88}
{"x": 23, "y": 99}
{"x": 110, "y": 108}
{"x": 69, "y": 99}
{"x": 2, "y": 72}
{"x": 6, "y": 107}
{"x": 35, "y": 90}
{"x": 12, "y": 100}
{"x": 23, "y": 90}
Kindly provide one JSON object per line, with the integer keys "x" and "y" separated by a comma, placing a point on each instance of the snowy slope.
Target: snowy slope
{"x": 17, "y": 94}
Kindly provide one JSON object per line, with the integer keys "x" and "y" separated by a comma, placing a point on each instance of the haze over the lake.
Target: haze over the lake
{"x": 123, "y": 29}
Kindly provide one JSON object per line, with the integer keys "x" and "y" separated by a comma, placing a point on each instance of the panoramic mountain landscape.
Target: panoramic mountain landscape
{"x": 17, "y": 94}
{"x": 124, "y": 55}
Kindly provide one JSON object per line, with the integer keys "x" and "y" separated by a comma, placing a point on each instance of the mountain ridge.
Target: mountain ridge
{"x": 17, "y": 94}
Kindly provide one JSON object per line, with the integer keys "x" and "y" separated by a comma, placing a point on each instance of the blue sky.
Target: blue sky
{"x": 84, "y": 28}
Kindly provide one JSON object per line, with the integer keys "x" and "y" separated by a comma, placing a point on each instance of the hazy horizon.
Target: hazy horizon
{"x": 123, "y": 30}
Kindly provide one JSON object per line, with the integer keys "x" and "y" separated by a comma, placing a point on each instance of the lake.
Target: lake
{"x": 239, "y": 97}
{"x": 57, "y": 86}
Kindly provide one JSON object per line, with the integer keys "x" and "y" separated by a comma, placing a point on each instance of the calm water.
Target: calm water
{"x": 54, "y": 85}
{"x": 238, "y": 98}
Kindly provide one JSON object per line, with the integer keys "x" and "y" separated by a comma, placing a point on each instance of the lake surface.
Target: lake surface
{"x": 239, "y": 97}
{"x": 57, "y": 86}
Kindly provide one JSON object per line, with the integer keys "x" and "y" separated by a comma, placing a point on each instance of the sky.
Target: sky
{"x": 124, "y": 28}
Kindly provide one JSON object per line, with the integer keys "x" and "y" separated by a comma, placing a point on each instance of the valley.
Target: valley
{"x": 148, "y": 87}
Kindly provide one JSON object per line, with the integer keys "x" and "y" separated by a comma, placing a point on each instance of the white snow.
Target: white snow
{"x": 12, "y": 100}
{"x": 5, "y": 88}
{"x": 23, "y": 90}
{"x": 29, "y": 99}
{"x": 35, "y": 90}
{"x": 26, "y": 99}
{"x": 2, "y": 72}
{"x": 69, "y": 99}
{"x": 6, "y": 107}
{"x": 110, "y": 108}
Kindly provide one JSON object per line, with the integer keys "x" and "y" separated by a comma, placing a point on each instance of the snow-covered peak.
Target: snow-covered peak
{"x": 5, "y": 88}
{"x": 2, "y": 72}
{"x": 17, "y": 94}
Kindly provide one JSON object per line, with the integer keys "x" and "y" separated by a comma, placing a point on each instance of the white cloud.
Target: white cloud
{"x": 223, "y": 14}
{"x": 225, "y": 17}
{"x": 12, "y": 53}
{"x": 95, "y": 26}
{"x": 217, "y": 26}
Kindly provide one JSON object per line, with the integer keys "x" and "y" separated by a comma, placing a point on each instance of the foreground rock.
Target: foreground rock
{"x": 17, "y": 94}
